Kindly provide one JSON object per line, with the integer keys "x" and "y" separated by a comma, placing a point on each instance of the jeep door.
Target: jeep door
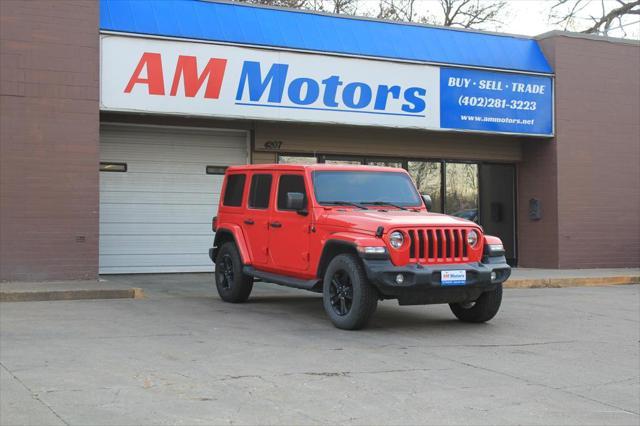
{"x": 255, "y": 223}
{"x": 289, "y": 229}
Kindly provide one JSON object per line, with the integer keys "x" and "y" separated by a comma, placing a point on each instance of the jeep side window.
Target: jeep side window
{"x": 260, "y": 191}
{"x": 234, "y": 190}
{"x": 290, "y": 183}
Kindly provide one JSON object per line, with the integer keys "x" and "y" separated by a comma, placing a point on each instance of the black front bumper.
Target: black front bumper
{"x": 422, "y": 283}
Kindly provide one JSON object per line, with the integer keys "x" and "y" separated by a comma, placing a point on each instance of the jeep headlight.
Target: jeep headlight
{"x": 472, "y": 238}
{"x": 396, "y": 239}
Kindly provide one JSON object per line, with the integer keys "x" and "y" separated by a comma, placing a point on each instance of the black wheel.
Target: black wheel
{"x": 348, "y": 298}
{"x": 481, "y": 310}
{"x": 233, "y": 286}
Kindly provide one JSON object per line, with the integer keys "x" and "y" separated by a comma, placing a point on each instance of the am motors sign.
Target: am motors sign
{"x": 175, "y": 77}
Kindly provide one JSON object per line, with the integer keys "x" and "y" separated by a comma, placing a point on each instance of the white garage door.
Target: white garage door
{"x": 156, "y": 216}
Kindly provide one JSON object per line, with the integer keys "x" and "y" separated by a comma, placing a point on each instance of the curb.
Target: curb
{"x": 38, "y": 296}
{"x": 572, "y": 282}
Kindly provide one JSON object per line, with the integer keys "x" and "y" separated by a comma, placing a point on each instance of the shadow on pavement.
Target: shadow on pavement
{"x": 304, "y": 306}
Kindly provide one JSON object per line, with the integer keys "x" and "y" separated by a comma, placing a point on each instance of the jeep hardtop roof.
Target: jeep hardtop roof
{"x": 312, "y": 167}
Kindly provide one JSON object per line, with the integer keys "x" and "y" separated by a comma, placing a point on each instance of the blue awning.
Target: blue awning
{"x": 249, "y": 25}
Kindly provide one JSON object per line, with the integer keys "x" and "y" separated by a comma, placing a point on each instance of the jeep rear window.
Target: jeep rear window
{"x": 365, "y": 187}
{"x": 234, "y": 190}
{"x": 259, "y": 191}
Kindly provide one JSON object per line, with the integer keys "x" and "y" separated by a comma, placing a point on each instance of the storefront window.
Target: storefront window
{"x": 428, "y": 177}
{"x": 296, "y": 159}
{"x": 462, "y": 190}
{"x": 343, "y": 162}
{"x": 397, "y": 164}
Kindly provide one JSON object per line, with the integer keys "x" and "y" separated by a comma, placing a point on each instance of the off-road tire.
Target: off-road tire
{"x": 364, "y": 296}
{"x": 485, "y": 308}
{"x": 235, "y": 287}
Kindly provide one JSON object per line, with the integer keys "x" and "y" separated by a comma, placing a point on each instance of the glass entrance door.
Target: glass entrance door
{"x": 497, "y": 205}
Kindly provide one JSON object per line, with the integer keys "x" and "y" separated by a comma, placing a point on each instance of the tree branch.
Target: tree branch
{"x": 608, "y": 18}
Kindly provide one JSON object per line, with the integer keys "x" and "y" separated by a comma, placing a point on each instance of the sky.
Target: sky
{"x": 527, "y": 17}
{"x": 531, "y": 17}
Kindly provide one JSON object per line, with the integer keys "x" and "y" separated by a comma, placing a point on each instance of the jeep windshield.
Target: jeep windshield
{"x": 345, "y": 187}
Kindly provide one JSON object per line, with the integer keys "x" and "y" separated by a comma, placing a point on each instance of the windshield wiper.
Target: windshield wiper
{"x": 384, "y": 203}
{"x": 345, "y": 203}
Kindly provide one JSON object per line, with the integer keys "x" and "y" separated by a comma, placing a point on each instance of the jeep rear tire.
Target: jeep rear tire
{"x": 233, "y": 286}
{"x": 348, "y": 297}
{"x": 482, "y": 310}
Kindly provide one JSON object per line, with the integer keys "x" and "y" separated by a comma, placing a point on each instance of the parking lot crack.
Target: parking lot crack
{"x": 352, "y": 373}
{"x": 33, "y": 394}
{"x": 508, "y": 345}
{"x": 330, "y": 373}
{"x": 533, "y": 383}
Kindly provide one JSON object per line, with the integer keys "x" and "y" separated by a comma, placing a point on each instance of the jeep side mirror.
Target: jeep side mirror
{"x": 427, "y": 201}
{"x": 295, "y": 201}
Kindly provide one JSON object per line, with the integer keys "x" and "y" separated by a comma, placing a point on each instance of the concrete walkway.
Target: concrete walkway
{"x": 537, "y": 278}
{"x": 67, "y": 290}
{"x": 134, "y": 286}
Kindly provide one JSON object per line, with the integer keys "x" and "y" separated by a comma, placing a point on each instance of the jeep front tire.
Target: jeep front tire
{"x": 233, "y": 286}
{"x": 481, "y": 310}
{"x": 348, "y": 297}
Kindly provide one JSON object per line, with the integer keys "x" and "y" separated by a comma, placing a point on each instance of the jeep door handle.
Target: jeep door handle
{"x": 249, "y": 221}
{"x": 275, "y": 225}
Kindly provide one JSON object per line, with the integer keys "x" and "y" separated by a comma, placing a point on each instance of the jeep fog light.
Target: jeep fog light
{"x": 399, "y": 279}
{"x": 396, "y": 239}
{"x": 472, "y": 238}
{"x": 494, "y": 276}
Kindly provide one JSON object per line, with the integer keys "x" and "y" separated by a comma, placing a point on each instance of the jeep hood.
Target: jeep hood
{"x": 370, "y": 220}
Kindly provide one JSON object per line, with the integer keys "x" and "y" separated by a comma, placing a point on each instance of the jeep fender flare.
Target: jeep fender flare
{"x": 343, "y": 242}
{"x": 490, "y": 239}
{"x": 234, "y": 232}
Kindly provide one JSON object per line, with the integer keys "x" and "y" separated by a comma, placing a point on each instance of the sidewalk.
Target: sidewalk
{"x": 66, "y": 290}
{"x": 556, "y": 278}
{"x": 134, "y": 286}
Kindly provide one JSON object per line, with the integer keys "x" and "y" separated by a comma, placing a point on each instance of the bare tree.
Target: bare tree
{"x": 595, "y": 16}
{"x": 294, "y": 4}
{"x": 481, "y": 14}
{"x": 397, "y": 10}
{"x": 345, "y": 7}
{"x": 450, "y": 13}
{"x": 472, "y": 13}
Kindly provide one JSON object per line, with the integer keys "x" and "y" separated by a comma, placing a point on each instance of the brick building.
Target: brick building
{"x": 117, "y": 119}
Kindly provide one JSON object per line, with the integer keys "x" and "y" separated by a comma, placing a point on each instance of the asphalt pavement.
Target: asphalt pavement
{"x": 564, "y": 356}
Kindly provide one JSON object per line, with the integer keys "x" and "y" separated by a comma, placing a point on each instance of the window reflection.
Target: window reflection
{"x": 297, "y": 159}
{"x": 396, "y": 164}
{"x": 428, "y": 180}
{"x": 462, "y": 190}
{"x": 343, "y": 162}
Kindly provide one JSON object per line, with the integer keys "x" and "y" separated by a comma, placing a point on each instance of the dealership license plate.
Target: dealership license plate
{"x": 453, "y": 277}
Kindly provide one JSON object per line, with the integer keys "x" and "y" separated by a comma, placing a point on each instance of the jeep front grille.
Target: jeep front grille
{"x": 438, "y": 245}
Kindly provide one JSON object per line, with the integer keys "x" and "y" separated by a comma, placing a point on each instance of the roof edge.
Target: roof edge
{"x": 594, "y": 37}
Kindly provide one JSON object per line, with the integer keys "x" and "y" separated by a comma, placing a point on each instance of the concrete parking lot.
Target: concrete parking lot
{"x": 181, "y": 356}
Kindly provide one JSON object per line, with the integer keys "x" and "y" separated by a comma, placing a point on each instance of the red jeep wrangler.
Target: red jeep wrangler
{"x": 356, "y": 234}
